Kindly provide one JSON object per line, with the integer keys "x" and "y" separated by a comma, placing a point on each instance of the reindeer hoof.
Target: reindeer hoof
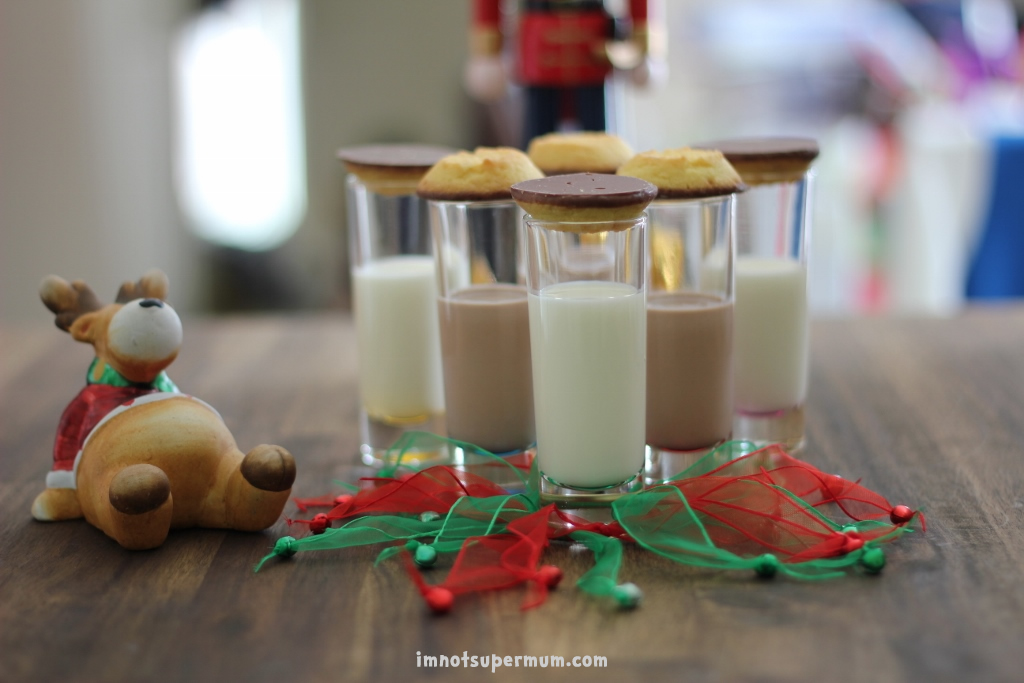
{"x": 138, "y": 489}
{"x": 53, "y": 505}
{"x": 269, "y": 468}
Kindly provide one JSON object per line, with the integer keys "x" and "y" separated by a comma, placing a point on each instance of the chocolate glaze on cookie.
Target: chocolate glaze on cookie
{"x": 767, "y": 160}
{"x": 749, "y": 149}
{"x": 585, "y": 190}
{"x": 585, "y": 199}
{"x": 401, "y": 156}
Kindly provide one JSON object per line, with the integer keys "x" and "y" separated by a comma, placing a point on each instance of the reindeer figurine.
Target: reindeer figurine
{"x": 133, "y": 455}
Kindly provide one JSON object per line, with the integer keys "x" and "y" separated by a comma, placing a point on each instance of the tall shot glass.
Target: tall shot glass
{"x": 485, "y": 331}
{"x": 689, "y": 330}
{"x": 394, "y": 296}
{"x": 588, "y": 333}
{"x": 771, "y": 324}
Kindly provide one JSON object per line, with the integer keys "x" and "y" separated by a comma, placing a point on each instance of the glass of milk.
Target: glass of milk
{"x": 588, "y": 334}
{"x": 485, "y": 330}
{"x": 689, "y": 330}
{"x": 771, "y": 321}
{"x": 394, "y": 300}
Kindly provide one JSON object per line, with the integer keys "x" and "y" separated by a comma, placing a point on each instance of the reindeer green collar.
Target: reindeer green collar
{"x": 112, "y": 377}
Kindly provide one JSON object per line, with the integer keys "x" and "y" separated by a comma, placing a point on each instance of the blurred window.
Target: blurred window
{"x": 240, "y": 160}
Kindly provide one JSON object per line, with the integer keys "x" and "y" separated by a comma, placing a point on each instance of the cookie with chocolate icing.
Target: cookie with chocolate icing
{"x": 767, "y": 159}
{"x": 391, "y": 169}
{"x": 584, "y": 198}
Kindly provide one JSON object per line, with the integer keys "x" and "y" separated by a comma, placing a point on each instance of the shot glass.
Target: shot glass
{"x": 771, "y": 323}
{"x": 588, "y": 337}
{"x": 689, "y": 331}
{"x": 394, "y": 297}
{"x": 485, "y": 332}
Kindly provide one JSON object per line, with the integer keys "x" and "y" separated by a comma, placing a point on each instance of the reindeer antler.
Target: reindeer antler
{"x": 68, "y": 301}
{"x": 152, "y": 285}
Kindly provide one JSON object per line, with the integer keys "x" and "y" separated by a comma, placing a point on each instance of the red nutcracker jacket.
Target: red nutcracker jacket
{"x": 560, "y": 42}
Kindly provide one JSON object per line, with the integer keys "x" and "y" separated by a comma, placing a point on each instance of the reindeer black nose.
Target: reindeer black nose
{"x": 150, "y": 303}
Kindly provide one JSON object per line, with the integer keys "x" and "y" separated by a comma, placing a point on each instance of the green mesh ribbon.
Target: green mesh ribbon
{"x": 602, "y": 580}
{"x": 662, "y": 521}
{"x": 476, "y": 459}
{"x": 738, "y": 508}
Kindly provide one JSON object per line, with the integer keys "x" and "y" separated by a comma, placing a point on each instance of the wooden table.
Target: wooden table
{"x": 927, "y": 412}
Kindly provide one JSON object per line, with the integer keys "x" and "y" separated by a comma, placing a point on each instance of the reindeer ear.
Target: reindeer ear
{"x": 82, "y": 328}
{"x": 57, "y": 294}
{"x": 152, "y": 285}
{"x": 68, "y": 301}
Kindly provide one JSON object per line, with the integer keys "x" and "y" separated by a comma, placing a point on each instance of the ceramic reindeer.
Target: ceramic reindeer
{"x": 133, "y": 455}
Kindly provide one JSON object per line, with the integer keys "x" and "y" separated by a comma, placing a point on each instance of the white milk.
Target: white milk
{"x": 399, "y": 343}
{"x": 589, "y": 345}
{"x": 770, "y": 334}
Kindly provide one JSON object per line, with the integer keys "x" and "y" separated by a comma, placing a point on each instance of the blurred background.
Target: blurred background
{"x": 200, "y": 136}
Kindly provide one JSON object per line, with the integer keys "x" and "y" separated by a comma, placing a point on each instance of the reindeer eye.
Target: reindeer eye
{"x": 150, "y": 303}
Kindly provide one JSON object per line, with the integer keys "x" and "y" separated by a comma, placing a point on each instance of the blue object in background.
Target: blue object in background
{"x": 997, "y": 270}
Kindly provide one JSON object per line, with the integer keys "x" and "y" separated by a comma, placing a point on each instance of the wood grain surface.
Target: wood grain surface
{"x": 928, "y": 412}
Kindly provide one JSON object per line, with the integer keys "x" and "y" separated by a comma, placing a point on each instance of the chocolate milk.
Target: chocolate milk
{"x": 488, "y": 378}
{"x": 689, "y": 370}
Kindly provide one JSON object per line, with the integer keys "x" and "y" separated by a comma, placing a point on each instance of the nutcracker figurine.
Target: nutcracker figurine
{"x": 565, "y": 50}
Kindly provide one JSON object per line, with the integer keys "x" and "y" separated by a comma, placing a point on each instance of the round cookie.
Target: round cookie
{"x": 558, "y": 153}
{"x": 485, "y": 174}
{"x": 767, "y": 159}
{"x": 685, "y": 173}
{"x": 584, "y": 198}
{"x": 391, "y": 169}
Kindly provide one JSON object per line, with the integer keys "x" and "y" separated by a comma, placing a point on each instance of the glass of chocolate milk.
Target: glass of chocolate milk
{"x": 485, "y": 329}
{"x": 689, "y": 331}
{"x": 394, "y": 297}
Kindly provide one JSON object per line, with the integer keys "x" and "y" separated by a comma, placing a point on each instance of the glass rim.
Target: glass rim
{"x": 473, "y": 203}
{"x": 678, "y": 201}
{"x": 623, "y": 223}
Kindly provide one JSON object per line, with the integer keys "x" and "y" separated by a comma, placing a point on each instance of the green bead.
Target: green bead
{"x": 873, "y": 560}
{"x": 628, "y": 595}
{"x": 848, "y": 528}
{"x": 285, "y": 546}
{"x": 429, "y": 516}
{"x": 425, "y": 556}
{"x": 411, "y": 545}
{"x": 766, "y": 565}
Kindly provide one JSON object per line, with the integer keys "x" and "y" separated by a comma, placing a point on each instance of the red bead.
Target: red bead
{"x": 343, "y": 499}
{"x": 901, "y": 514}
{"x": 319, "y": 523}
{"x": 549, "y": 575}
{"x": 852, "y": 541}
{"x": 439, "y": 599}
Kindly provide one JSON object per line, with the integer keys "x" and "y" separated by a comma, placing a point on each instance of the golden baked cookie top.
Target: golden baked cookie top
{"x": 485, "y": 174}
{"x": 557, "y": 153}
{"x": 391, "y": 169}
{"x": 685, "y": 173}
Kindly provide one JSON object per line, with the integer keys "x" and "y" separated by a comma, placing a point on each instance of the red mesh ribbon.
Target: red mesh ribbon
{"x": 496, "y": 562}
{"x": 749, "y": 517}
{"x": 772, "y": 465}
{"x": 434, "y": 489}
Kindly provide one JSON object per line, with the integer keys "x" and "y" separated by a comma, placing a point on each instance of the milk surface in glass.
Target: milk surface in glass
{"x": 395, "y": 302}
{"x": 771, "y": 334}
{"x": 588, "y": 344}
